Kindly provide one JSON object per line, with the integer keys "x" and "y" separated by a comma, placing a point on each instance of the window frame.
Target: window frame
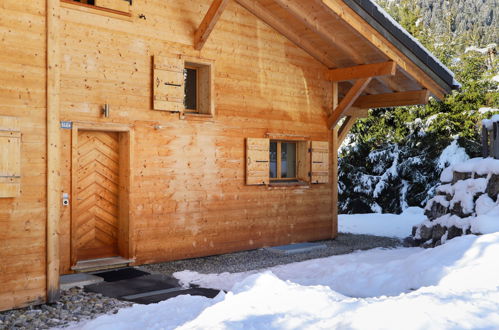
{"x": 205, "y": 87}
{"x": 279, "y": 177}
{"x": 97, "y": 9}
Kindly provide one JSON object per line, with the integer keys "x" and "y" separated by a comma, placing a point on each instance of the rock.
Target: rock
{"x": 436, "y": 211}
{"x": 414, "y": 229}
{"x": 493, "y": 187}
{"x": 427, "y": 245}
{"x": 437, "y": 243}
{"x": 454, "y": 232}
{"x": 480, "y": 176}
{"x": 74, "y": 305}
{"x": 457, "y": 209}
{"x": 425, "y": 233}
{"x": 460, "y": 176}
{"x": 438, "y": 232}
{"x": 409, "y": 242}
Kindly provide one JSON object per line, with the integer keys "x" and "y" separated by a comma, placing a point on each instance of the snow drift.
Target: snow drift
{"x": 449, "y": 287}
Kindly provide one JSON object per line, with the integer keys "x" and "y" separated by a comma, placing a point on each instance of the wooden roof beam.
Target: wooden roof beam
{"x": 208, "y": 24}
{"x": 363, "y": 71}
{"x": 348, "y": 101}
{"x": 393, "y": 99}
{"x": 301, "y": 11}
{"x": 264, "y": 14}
{"x": 354, "y": 111}
{"x": 379, "y": 41}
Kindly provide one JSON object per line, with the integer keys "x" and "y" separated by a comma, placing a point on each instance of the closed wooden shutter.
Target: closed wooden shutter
{"x": 119, "y": 5}
{"x": 168, "y": 84}
{"x": 320, "y": 162}
{"x": 10, "y": 157}
{"x": 257, "y": 161}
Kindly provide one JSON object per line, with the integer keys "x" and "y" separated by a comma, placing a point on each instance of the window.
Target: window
{"x": 183, "y": 86}
{"x": 198, "y": 88}
{"x": 116, "y": 6}
{"x": 283, "y": 160}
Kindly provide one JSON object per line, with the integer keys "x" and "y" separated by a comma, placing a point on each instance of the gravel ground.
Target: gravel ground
{"x": 261, "y": 258}
{"x": 74, "y": 306}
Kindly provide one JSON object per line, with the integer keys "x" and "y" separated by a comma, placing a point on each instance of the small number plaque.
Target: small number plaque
{"x": 66, "y": 124}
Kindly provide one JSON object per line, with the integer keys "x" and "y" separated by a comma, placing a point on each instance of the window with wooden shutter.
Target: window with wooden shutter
{"x": 10, "y": 157}
{"x": 168, "y": 83}
{"x": 320, "y": 162}
{"x": 257, "y": 161}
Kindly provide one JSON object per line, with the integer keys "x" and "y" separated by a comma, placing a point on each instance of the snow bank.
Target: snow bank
{"x": 452, "y": 155}
{"x": 449, "y": 287}
{"x": 390, "y": 225}
{"x": 488, "y": 123}
{"x": 480, "y": 166}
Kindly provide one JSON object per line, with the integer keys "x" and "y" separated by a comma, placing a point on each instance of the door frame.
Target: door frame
{"x": 126, "y": 244}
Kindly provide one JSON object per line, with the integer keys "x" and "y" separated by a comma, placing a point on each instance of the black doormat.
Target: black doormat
{"x": 121, "y": 274}
{"x": 153, "y": 299}
{"x": 133, "y": 286}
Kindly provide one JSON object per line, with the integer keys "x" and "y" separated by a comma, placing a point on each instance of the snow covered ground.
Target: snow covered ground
{"x": 453, "y": 286}
{"x": 390, "y": 225}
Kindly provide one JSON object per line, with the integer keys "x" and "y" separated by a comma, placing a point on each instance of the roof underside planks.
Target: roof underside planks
{"x": 338, "y": 37}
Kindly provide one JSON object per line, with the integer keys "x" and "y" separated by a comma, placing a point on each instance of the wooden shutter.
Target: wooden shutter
{"x": 320, "y": 162}
{"x": 168, "y": 84}
{"x": 257, "y": 161}
{"x": 303, "y": 159}
{"x": 10, "y": 157}
{"x": 119, "y": 5}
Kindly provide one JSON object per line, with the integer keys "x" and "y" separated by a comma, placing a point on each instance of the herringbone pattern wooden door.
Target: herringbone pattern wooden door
{"x": 97, "y": 195}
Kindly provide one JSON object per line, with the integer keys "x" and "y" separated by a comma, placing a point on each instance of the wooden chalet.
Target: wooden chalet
{"x": 135, "y": 132}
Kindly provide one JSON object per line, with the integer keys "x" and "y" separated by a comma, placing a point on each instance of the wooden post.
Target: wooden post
{"x": 53, "y": 149}
{"x": 485, "y": 142}
{"x": 495, "y": 140}
{"x": 334, "y": 166}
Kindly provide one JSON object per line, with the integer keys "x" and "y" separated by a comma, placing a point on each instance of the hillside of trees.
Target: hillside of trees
{"x": 393, "y": 159}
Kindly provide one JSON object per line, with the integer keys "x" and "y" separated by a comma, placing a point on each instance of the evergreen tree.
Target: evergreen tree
{"x": 392, "y": 160}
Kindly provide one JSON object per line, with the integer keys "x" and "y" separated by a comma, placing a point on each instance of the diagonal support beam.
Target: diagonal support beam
{"x": 345, "y": 128}
{"x": 208, "y": 24}
{"x": 363, "y": 71}
{"x": 347, "y": 101}
{"x": 393, "y": 99}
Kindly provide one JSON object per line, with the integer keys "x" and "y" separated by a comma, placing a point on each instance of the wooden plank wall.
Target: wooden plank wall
{"x": 189, "y": 197}
{"x": 22, "y": 95}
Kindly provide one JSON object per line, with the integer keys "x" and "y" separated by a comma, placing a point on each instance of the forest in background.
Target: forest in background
{"x": 393, "y": 158}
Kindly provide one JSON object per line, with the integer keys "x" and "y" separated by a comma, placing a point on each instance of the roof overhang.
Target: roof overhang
{"x": 393, "y": 32}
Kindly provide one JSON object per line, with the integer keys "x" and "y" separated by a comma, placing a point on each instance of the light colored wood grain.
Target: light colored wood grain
{"x": 53, "y": 89}
{"x": 208, "y": 24}
{"x": 319, "y": 162}
{"x": 363, "y": 71}
{"x": 257, "y": 161}
{"x": 348, "y": 101}
{"x": 393, "y": 99}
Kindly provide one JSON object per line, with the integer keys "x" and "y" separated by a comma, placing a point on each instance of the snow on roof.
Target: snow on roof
{"x": 423, "y": 54}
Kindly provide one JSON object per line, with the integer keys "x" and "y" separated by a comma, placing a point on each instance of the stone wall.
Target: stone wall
{"x": 454, "y": 209}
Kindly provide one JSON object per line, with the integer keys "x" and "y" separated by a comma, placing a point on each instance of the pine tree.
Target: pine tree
{"x": 392, "y": 160}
